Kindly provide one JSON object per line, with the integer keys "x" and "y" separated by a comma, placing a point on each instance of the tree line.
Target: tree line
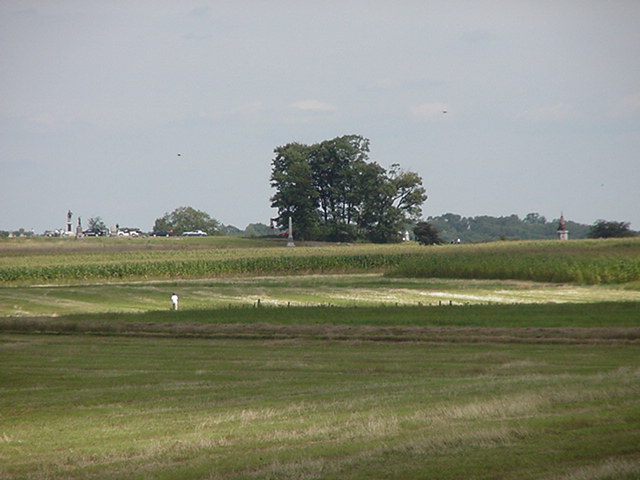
{"x": 447, "y": 228}
{"x": 451, "y": 228}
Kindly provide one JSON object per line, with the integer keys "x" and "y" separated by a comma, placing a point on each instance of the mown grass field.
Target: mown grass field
{"x": 134, "y": 407}
{"x": 299, "y": 291}
{"x": 349, "y": 369}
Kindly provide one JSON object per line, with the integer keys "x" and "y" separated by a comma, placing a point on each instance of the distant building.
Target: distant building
{"x": 563, "y": 233}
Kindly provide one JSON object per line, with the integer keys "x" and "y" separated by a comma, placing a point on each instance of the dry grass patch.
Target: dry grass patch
{"x": 609, "y": 469}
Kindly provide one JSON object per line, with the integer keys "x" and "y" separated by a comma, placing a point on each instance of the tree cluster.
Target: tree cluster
{"x": 426, "y": 234}
{"x": 605, "y": 229}
{"x": 332, "y": 192}
{"x": 184, "y": 219}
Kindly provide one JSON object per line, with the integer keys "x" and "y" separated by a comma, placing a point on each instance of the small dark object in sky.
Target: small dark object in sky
{"x": 179, "y": 154}
{"x": 444, "y": 111}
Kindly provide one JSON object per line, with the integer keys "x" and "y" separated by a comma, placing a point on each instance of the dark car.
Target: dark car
{"x": 161, "y": 233}
{"x": 93, "y": 232}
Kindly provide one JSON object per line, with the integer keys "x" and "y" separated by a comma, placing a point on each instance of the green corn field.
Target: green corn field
{"x": 581, "y": 262}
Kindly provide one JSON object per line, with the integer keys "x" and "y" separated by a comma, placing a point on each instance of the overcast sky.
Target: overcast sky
{"x": 98, "y": 98}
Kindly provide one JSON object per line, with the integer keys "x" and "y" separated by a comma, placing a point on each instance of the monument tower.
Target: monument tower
{"x": 563, "y": 233}
{"x": 290, "y": 242}
{"x": 68, "y": 230}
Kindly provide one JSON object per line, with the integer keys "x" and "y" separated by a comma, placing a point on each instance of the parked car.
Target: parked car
{"x": 161, "y": 233}
{"x": 129, "y": 232}
{"x": 195, "y": 233}
{"x": 93, "y": 232}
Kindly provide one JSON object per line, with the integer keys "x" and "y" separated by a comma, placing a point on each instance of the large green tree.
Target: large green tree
{"x": 332, "y": 192}
{"x": 334, "y": 165}
{"x": 295, "y": 196}
{"x": 184, "y": 219}
{"x": 377, "y": 218}
{"x": 387, "y": 201}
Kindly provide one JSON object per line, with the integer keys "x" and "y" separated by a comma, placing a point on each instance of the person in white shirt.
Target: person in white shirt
{"x": 174, "y": 301}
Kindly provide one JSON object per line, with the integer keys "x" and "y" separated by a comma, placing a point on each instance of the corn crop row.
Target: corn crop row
{"x": 202, "y": 268}
{"x": 534, "y": 267}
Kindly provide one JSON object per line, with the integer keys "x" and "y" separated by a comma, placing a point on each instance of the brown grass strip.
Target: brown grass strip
{"x": 423, "y": 334}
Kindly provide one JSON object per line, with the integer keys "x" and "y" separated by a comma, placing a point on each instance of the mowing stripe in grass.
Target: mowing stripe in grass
{"x": 567, "y": 323}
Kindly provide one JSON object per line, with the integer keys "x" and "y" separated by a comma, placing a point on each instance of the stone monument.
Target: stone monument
{"x": 79, "y": 233}
{"x": 290, "y": 236}
{"x": 69, "y": 215}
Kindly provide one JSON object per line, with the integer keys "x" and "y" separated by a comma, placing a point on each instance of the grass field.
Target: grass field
{"x": 113, "y": 407}
{"x": 344, "y": 373}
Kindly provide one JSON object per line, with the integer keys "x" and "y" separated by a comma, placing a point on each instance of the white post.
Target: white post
{"x": 290, "y": 236}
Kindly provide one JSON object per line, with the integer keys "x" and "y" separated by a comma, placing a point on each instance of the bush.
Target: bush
{"x": 427, "y": 234}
